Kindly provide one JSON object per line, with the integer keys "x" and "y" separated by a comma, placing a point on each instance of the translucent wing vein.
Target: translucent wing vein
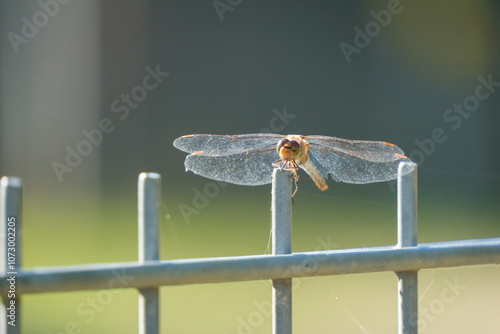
{"x": 250, "y": 168}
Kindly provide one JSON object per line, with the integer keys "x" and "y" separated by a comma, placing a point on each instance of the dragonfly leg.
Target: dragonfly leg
{"x": 277, "y": 164}
{"x": 296, "y": 186}
{"x": 295, "y": 177}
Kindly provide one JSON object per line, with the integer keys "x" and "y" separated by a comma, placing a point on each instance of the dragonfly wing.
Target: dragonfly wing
{"x": 376, "y": 151}
{"x": 217, "y": 145}
{"x": 251, "y": 168}
{"x": 344, "y": 167}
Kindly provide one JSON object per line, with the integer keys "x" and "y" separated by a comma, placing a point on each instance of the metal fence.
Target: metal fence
{"x": 405, "y": 259}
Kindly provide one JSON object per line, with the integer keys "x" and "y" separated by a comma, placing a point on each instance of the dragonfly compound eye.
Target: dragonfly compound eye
{"x": 294, "y": 145}
{"x": 282, "y": 143}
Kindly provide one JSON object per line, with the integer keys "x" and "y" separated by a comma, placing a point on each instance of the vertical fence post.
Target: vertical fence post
{"x": 149, "y": 201}
{"x": 282, "y": 244}
{"x": 11, "y": 197}
{"x": 407, "y": 237}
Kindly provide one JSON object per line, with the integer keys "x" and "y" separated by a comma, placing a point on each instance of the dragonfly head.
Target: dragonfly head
{"x": 288, "y": 149}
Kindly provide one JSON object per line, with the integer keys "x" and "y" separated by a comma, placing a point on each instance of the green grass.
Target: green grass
{"x": 237, "y": 222}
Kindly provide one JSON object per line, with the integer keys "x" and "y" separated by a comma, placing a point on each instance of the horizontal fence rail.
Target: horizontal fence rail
{"x": 257, "y": 267}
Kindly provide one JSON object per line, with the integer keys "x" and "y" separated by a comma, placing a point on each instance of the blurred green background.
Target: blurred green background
{"x": 69, "y": 68}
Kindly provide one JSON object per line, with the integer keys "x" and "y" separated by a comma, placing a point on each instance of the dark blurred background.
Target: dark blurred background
{"x": 94, "y": 92}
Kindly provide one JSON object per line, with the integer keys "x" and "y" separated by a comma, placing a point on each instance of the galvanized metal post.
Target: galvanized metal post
{"x": 407, "y": 237}
{"x": 11, "y": 207}
{"x": 282, "y": 244}
{"x": 149, "y": 201}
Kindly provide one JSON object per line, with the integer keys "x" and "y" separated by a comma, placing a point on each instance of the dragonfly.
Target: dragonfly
{"x": 249, "y": 159}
